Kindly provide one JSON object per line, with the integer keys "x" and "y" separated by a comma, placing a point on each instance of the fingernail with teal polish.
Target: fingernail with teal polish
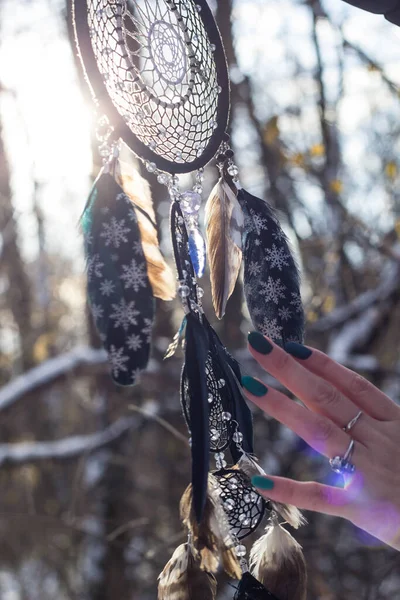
{"x": 259, "y": 343}
{"x": 254, "y": 387}
{"x": 297, "y": 350}
{"x": 262, "y": 483}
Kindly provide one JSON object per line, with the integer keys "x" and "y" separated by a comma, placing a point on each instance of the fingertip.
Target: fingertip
{"x": 263, "y": 483}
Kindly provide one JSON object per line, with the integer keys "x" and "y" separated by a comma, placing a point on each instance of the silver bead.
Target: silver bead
{"x": 210, "y": 399}
{"x": 221, "y": 383}
{"x": 226, "y": 416}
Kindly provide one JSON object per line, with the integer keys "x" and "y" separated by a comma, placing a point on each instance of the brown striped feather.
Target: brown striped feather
{"x": 224, "y": 225}
{"x": 160, "y": 275}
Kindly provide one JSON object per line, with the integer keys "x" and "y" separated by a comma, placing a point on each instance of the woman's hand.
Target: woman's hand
{"x": 333, "y": 396}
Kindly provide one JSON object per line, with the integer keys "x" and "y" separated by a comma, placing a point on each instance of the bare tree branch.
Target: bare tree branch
{"x": 67, "y": 448}
{"x": 48, "y": 372}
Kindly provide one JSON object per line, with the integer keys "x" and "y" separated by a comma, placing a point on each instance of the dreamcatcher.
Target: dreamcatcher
{"x": 158, "y": 74}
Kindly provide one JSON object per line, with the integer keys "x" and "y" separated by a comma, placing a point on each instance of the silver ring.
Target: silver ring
{"x": 342, "y": 464}
{"x": 350, "y": 425}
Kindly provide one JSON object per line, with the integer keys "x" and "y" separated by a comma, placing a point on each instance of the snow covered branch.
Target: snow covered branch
{"x": 67, "y": 448}
{"x": 48, "y": 371}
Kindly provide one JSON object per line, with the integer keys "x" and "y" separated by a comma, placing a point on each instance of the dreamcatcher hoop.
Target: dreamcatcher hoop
{"x": 176, "y": 53}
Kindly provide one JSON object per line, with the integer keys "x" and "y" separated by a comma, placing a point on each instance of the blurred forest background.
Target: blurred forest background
{"x": 91, "y": 475}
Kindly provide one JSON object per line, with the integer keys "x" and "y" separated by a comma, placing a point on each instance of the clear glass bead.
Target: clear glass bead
{"x": 184, "y": 291}
{"x": 200, "y": 293}
{"x": 210, "y": 399}
{"x": 151, "y": 167}
{"x": 221, "y": 383}
{"x": 240, "y": 551}
{"x": 237, "y": 437}
{"x": 226, "y": 416}
{"x": 191, "y": 202}
{"x": 163, "y": 178}
{"x": 233, "y": 170}
{"x": 198, "y": 188}
{"x": 105, "y": 150}
{"x": 153, "y": 145}
{"x": 213, "y": 47}
{"x": 246, "y": 522}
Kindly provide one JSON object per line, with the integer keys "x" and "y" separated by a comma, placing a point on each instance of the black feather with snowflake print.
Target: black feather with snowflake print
{"x": 119, "y": 291}
{"x": 271, "y": 277}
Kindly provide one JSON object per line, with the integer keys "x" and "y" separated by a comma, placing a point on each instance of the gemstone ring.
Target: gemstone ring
{"x": 342, "y": 464}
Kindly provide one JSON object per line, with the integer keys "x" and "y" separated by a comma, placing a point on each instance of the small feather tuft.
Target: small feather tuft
{"x": 211, "y": 537}
{"x": 249, "y": 465}
{"x": 183, "y": 579}
{"x": 277, "y": 561}
{"x": 224, "y": 223}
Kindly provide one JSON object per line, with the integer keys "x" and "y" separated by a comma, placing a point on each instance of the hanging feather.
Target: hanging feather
{"x": 224, "y": 223}
{"x": 137, "y": 189}
{"x": 249, "y": 465}
{"x": 120, "y": 295}
{"x": 271, "y": 277}
{"x": 183, "y": 579}
{"x": 231, "y": 393}
{"x": 194, "y": 384}
{"x": 277, "y": 561}
{"x": 251, "y": 589}
{"x": 211, "y": 537}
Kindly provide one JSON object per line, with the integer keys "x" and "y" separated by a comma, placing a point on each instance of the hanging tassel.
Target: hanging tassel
{"x": 211, "y": 537}
{"x": 120, "y": 295}
{"x": 137, "y": 189}
{"x": 251, "y": 589}
{"x": 271, "y": 277}
{"x": 194, "y": 383}
{"x": 178, "y": 337}
{"x": 224, "y": 223}
{"x": 249, "y": 465}
{"x": 183, "y": 579}
{"x": 277, "y": 561}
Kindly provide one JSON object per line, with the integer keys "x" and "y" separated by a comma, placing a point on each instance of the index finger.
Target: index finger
{"x": 363, "y": 393}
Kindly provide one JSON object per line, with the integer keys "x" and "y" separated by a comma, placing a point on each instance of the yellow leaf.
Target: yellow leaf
{"x": 336, "y": 186}
{"x": 391, "y": 170}
{"x": 312, "y": 316}
{"x": 298, "y": 160}
{"x": 42, "y": 347}
{"x": 329, "y": 304}
{"x": 271, "y": 130}
{"x": 317, "y": 150}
